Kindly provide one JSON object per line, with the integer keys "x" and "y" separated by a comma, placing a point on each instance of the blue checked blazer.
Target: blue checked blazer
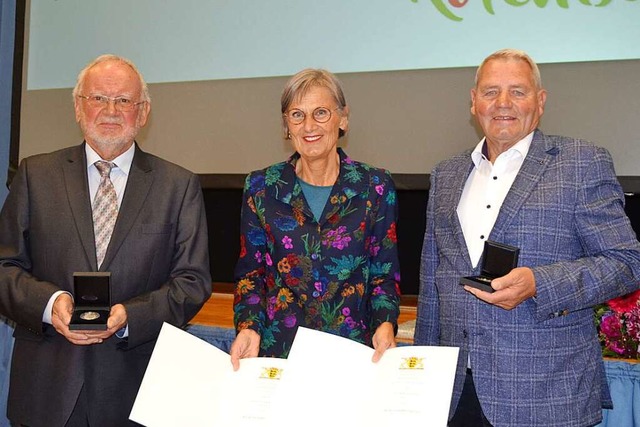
{"x": 540, "y": 363}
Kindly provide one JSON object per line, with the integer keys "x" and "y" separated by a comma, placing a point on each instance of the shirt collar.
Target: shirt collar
{"x": 521, "y": 147}
{"x": 122, "y": 162}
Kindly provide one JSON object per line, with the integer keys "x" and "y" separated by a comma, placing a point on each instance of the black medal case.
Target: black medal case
{"x": 497, "y": 260}
{"x": 92, "y": 298}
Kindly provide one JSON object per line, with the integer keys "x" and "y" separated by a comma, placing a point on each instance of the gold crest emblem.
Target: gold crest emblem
{"x": 412, "y": 363}
{"x": 271, "y": 373}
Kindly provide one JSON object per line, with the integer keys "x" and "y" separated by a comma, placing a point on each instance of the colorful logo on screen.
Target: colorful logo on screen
{"x": 446, "y": 7}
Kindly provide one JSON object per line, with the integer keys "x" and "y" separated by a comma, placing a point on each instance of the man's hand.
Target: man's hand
{"x": 383, "y": 339}
{"x": 116, "y": 321}
{"x": 246, "y": 344}
{"x": 61, "y": 316}
{"x": 510, "y": 290}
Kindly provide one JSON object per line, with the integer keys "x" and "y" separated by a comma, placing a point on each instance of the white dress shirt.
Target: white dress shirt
{"x": 485, "y": 191}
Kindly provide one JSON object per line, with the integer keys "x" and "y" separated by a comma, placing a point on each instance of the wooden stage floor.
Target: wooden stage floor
{"x": 218, "y": 311}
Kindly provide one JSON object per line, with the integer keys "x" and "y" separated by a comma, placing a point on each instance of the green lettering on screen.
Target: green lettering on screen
{"x": 444, "y": 6}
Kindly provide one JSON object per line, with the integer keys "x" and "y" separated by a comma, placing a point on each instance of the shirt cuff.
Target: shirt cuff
{"x": 48, "y": 310}
{"x": 123, "y": 332}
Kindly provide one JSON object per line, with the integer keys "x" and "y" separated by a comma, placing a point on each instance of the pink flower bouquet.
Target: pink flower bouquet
{"x": 618, "y": 323}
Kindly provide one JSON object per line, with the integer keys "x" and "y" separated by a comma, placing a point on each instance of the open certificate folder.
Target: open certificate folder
{"x": 190, "y": 382}
{"x": 327, "y": 380}
{"x": 335, "y": 379}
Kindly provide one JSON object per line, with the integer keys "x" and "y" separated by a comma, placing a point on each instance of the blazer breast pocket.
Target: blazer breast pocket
{"x": 157, "y": 228}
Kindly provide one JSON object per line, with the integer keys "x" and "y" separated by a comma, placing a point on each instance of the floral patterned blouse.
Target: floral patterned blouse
{"x": 339, "y": 275}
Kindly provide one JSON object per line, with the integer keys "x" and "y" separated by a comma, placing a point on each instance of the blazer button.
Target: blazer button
{"x": 465, "y": 333}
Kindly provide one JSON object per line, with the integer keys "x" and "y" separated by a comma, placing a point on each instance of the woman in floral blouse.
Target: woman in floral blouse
{"x": 318, "y": 241}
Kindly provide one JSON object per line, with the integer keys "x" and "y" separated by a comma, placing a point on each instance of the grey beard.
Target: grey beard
{"x": 112, "y": 143}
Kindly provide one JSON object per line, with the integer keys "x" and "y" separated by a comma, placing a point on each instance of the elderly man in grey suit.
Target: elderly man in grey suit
{"x": 106, "y": 206}
{"x": 529, "y": 350}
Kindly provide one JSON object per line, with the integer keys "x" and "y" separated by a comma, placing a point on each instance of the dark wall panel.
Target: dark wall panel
{"x": 223, "y": 219}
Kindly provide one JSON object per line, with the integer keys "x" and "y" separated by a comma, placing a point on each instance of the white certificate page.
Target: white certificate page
{"x": 327, "y": 380}
{"x": 409, "y": 386}
{"x": 190, "y": 382}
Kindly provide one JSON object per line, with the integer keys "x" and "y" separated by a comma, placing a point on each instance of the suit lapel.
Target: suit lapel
{"x": 535, "y": 163}
{"x": 287, "y": 189}
{"x": 138, "y": 185}
{"x": 77, "y": 188}
{"x": 353, "y": 179}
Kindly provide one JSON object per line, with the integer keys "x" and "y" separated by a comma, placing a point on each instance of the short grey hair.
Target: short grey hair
{"x": 514, "y": 54}
{"x": 77, "y": 90}
{"x": 300, "y": 83}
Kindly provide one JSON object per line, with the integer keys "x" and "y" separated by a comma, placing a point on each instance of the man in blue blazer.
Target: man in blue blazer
{"x": 529, "y": 353}
{"x": 157, "y": 256}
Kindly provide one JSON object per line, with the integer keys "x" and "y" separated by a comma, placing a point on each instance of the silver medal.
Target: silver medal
{"x": 90, "y": 315}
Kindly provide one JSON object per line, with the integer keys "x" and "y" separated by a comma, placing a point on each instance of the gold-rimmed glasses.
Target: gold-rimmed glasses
{"x": 320, "y": 115}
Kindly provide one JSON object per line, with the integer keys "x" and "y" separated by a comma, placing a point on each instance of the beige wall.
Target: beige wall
{"x": 405, "y": 121}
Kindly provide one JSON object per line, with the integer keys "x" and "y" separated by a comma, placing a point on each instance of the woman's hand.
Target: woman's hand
{"x": 383, "y": 339}
{"x": 246, "y": 344}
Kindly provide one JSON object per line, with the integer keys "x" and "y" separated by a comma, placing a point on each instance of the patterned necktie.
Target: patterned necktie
{"x": 105, "y": 210}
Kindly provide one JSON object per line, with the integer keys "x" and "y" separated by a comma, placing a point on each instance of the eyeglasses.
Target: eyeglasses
{"x": 320, "y": 115}
{"x": 120, "y": 103}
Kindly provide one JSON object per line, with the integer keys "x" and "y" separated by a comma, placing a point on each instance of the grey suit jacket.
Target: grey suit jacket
{"x": 540, "y": 363}
{"x": 158, "y": 258}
